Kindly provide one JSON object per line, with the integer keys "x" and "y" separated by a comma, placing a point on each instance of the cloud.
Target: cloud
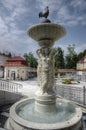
{"x": 80, "y": 47}
{"x": 69, "y": 13}
{"x": 17, "y": 15}
{"x": 3, "y": 27}
{"x": 81, "y": 4}
{"x": 11, "y": 4}
{"x": 14, "y": 39}
{"x": 11, "y": 36}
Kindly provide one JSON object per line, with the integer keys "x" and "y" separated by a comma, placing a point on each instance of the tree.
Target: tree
{"x": 84, "y": 52}
{"x": 59, "y": 58}
{"x": 71, "y": 57}
{"x": 32, "y": 61}
{"x": 81, "y": 54}
{"x": 9, "y": 54}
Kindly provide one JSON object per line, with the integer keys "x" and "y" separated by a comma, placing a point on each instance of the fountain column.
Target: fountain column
{"x": 45, "y": 97}
{"x": 46, "y": 34}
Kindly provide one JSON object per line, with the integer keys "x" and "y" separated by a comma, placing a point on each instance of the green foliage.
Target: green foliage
{"x": 32, "y": 61}
{"x": 6, "y": 54}
{"x": 59, "y": 58}
{"x": 78, "y": 81}
{"x": 71, "y": 57}
{"x": 68, "y": 61}
{"x": 9, "y": 54}
{"x": 81, "y": 55}
{"x": 67, "y": 80}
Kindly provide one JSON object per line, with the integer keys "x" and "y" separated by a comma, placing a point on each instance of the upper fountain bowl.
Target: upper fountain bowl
{"x": 46, "y": 31}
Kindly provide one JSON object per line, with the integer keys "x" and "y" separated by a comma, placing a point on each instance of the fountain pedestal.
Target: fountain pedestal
{"x": 46, "y": 34}
{"x": 45, "y": 103}
{"x": 45, "y": 112}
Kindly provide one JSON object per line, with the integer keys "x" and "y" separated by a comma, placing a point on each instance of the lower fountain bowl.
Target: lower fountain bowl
{"x": 24, "y": 117}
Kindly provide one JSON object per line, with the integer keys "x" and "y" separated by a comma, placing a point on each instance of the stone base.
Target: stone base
{"x": 45, "y": 103}
{"x": 15, "y": 122}
{"x": 16, "y": 126}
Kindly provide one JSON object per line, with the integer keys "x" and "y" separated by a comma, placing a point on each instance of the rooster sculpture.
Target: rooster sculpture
{"x": 45, "y": 13}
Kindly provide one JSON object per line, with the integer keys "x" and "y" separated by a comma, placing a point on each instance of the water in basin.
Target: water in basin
{"x": 64, "y": 112}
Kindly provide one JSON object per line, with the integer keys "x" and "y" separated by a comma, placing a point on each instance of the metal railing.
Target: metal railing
{"x": 69, "y": 92}
{"x": 84, "y": 121}
{"x": 81, "y": 77}
{"x": 2, "y": 120}
{"x": 10, "y": 94}
{"x": 10, "y": 86}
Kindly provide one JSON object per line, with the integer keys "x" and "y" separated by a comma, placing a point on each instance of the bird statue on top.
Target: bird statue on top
{"x": 45, "y": 14}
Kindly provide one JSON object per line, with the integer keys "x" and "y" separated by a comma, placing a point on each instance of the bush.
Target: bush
{"x": 67, "y": 81}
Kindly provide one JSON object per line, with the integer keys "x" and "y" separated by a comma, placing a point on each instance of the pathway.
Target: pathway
{"x": 29, "y": 87}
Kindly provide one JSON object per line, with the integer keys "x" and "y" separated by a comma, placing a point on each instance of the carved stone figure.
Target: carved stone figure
{"x": 46, "y": 69}
{"x": 39, "y": 72}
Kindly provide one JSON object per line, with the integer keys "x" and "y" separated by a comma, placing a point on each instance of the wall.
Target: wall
{"x": 85, "y": 65}
{"x": 3, "y": 60}
{"x": 85, "y": 59}
{"x": 80, "y": 66}
{"x": 20, "y": 72}
{"x": 7, "y": 97}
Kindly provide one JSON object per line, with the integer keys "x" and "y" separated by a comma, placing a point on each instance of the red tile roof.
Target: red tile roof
{"x": 16, "y": 58}
{"x": 16, "y": 61}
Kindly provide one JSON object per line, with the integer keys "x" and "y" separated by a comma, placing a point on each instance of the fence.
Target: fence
{"x": 10, "y": 86}
{"x": 81, "y": 77}
{"x": 75, "y": 94}
{"x": 9, "y": 94}
{"x": 2, "y": 120}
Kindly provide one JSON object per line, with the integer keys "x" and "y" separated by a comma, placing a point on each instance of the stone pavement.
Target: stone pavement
{"x": 29, "y": 87}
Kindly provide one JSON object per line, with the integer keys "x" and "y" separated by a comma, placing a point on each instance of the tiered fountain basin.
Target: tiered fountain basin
{"x": 45, "y": 112}
{"x": 46, "y": 33}
{"x": 23, "y": 116}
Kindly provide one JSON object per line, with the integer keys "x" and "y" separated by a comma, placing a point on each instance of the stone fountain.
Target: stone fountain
{"x": 45, "y": 112}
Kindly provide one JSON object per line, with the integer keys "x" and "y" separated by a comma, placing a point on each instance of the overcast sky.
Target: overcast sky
{"x": 16, "y": 16}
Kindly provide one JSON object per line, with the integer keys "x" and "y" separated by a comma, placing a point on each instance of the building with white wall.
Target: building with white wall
{"x": 16, "y": 68}
{"x": 3, "y": 59}
{"x": 81, "y": 66}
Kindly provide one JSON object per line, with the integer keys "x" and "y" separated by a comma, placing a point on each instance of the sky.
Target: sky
{"x": 17, "y": 16}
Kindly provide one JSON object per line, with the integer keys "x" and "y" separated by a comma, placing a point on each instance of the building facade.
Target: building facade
{"x": 16, "y": 68}
{"x": 81, "y": 66}
{"x": 3, "y": 59}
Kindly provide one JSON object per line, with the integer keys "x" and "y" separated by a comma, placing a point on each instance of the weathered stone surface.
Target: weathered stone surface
{"x": 46, "y": 103}
{"x": 46, "y": 31}
{"x": 16, "y": 122}
{"x": 46, "y": 69}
